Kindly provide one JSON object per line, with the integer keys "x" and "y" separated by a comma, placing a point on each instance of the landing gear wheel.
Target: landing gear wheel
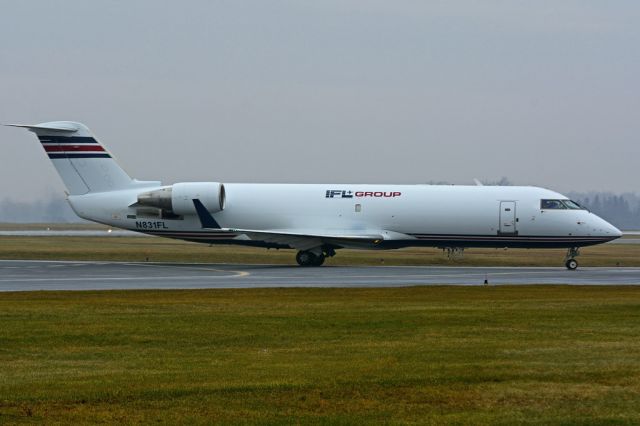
{"x": 570, "y": 259}
{"x": 319, "y": 260}
{"x": 571, "y": 264}
{"x": 307, "y": 258}
{"x": 304, "y": 258}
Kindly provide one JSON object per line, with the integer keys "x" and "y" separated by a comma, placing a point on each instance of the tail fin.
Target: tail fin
{"x": 83, "y": 163}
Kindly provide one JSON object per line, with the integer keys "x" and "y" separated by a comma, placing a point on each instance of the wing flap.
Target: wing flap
{"x": 308, "y": 240}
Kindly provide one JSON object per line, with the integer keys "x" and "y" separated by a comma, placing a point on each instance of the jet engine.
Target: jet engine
{"x": 177, "y": 199}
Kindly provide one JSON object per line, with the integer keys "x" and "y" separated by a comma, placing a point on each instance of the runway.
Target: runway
{"x": 30, "y": 275}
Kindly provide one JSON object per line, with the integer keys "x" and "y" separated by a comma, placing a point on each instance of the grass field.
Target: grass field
{"x": 162, "y": 249}
{"x": 12, "y": 226}
{"x": 473, "y": 355}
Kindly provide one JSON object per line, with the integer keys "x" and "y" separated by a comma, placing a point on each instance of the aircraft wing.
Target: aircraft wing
{"x": 307, "y": 240}
{"x": 298, "y": 239}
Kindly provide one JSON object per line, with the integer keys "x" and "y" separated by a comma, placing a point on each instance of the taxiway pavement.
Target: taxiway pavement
{"x": 28, "y": 275}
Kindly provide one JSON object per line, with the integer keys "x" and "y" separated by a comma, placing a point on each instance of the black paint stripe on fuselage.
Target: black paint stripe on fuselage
{"x": 161, "y": 233}
{"x": 507, "y": 239}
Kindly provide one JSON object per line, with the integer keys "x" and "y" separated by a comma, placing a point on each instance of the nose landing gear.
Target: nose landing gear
{"x": 569, "y": 261}
{"x": 571, "y": 264}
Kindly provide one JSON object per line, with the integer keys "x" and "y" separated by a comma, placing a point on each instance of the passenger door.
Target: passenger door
{"x": 508, "y": 218}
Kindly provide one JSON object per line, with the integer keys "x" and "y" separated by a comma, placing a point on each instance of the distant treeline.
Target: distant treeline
{"x": 51, "y": 210}
{"x": 621, "y": 210}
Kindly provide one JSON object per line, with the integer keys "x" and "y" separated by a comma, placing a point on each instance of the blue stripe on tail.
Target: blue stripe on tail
{"x": 74, "y": 140}
{"x": 96, "y": 155}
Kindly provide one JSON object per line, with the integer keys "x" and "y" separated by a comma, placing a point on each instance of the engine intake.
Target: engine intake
{"x": 178, "y": 198}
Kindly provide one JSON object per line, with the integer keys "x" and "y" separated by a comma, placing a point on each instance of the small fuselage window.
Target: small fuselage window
{"x": 560, "y": 205}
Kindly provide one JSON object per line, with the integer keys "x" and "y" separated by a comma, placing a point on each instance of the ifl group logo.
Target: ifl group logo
{"x": 343, "y": 193}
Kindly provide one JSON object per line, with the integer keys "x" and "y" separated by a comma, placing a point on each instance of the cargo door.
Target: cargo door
{"x": 508, "y": 218}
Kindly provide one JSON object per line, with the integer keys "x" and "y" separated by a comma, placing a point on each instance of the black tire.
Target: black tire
{"x": 571, "y": 264}
{"x": 319, "y": 260}
{"x": 305, "y": 258}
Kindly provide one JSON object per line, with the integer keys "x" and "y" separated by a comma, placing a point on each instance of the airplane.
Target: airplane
{"x": 315, "y": 219}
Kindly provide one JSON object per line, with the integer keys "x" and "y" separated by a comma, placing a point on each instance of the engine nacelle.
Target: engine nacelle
{"x": 178, "y": 198}
{"x": 211, "y": 194}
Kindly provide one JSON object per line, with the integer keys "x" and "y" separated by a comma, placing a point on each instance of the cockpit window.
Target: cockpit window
{"x": 552, "y": 205}
{"x": 572, "y": 205}
{"x": 560, "y": 205}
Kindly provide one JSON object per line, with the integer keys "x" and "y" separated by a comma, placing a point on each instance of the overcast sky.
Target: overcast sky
{"x": 543, "y": 92}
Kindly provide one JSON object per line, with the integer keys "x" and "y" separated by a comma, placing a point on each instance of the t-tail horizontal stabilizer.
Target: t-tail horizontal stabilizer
{"x": 205, "y": 217}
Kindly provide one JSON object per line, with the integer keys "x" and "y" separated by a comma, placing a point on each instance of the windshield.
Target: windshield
{"x": 560, "y": 205}
{"x": 572, "y": 205}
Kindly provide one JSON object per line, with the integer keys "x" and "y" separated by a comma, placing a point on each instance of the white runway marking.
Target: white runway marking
{"x": 199, "y": 268}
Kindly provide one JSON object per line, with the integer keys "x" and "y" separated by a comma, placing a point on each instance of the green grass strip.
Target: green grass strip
{"x": 462, "y": 355}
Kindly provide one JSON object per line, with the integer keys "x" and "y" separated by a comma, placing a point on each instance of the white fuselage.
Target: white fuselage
{"x": 434, "y": 215}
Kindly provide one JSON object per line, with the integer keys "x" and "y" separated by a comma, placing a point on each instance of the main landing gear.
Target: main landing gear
{"x": 307, "y": 258}
{"x": 569, "y": 261}
{"x": 313, "y": 258}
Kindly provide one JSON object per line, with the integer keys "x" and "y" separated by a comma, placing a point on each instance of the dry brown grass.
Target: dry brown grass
{"x": 162, "y": 249}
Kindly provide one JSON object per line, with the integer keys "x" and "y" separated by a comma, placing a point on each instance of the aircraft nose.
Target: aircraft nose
{"x": 615, "y": 231}
{"x": 607, "y": 229}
